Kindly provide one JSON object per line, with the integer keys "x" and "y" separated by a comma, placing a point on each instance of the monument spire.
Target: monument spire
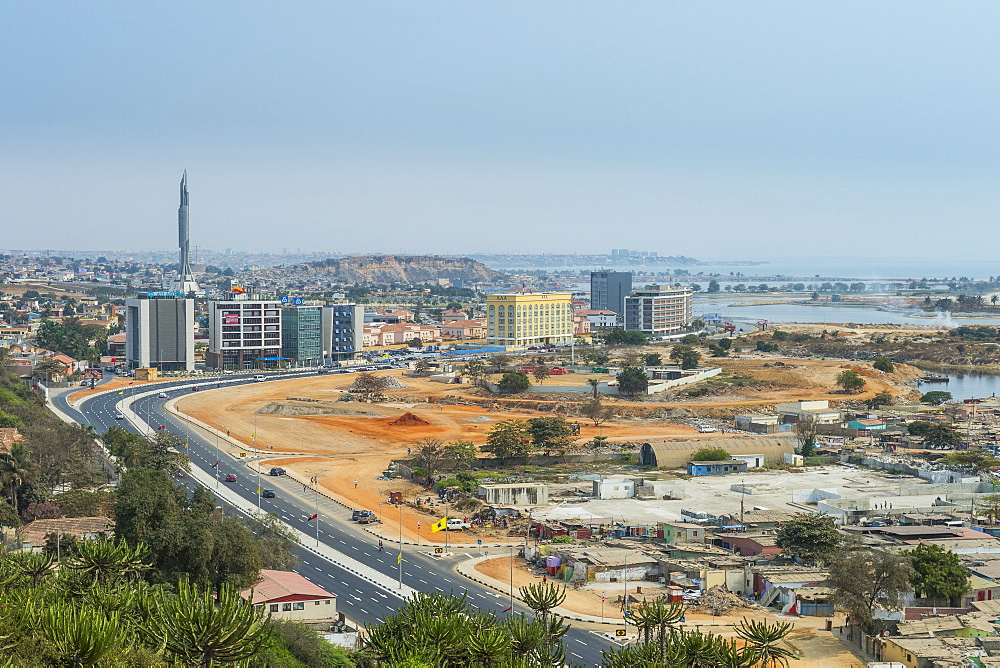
{"x": 185, "y": 278}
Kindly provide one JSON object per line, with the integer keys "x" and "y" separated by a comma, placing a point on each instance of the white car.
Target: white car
{"x": 162, "y": 395}
{"x": 455, "y": 524}
{"x": 228, "y": 372}
{"x": 119, "y": 415}
{"x": 706, "y": 429}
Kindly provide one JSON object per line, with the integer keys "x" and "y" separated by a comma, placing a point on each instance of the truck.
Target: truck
{"x": 456, "y": 524}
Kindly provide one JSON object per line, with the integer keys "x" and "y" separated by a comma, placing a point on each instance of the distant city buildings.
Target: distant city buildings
{"x": 625, "y": 252}
{"x": 516, "y": 319}
{"x": 608, "y": 290}
{"x": 659, "y": 310}
{"x": 244, "y": 332}
{"x": 159, "y": 331}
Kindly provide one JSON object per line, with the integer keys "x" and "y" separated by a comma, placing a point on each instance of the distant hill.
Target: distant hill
{"x": 409, "y": 269}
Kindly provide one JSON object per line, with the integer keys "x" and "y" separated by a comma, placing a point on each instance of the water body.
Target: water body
{"x": 803, "y": 313}
{"x": 966, "y": 385}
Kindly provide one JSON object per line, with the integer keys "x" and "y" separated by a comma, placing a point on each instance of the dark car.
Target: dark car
{"x": 230, "y": 477}
{"x": 195, "y": 388}
{"x": 277, "y": 470}
{"x": 268, "y": 494}
{"x": 358, "y": 514}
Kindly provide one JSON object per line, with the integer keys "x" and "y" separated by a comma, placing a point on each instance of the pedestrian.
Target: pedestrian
{"x": 355, "y": 484}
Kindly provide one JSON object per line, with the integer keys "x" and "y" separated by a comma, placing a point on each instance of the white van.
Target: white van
{"x": 259, "y": 378}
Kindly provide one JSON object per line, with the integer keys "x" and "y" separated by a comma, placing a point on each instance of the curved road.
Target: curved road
{"x": 360, "y": 600}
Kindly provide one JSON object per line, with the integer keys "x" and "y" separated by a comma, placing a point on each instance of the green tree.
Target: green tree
{"x": 514, "y": 382}
{"x": 632, "y": 381}
{"x": 851, "y": 382}
{"x": 476, "y": 370}
{"x": 498, "y": 361}
{"x": 461, "y": 455}
{"x": 763, "y": 640}
{"x": 711, "y": 455}
{"x": 811, "y": 538}
{"x": 550, "y": 434}
{"x": 936, "y": 397}
{"x": 868, "y": 579}
{"x": 595, "y": 384}
{"x": 937, "y": 573}
{"x": 942, "y": 437}
{"x": 690, "y": 359}
{"x": 652, "y": 359}
{"x": 976, "y": 461}
{"x": 883, "y": 364}
{"x": 541, "y": 372}
{"x": 883, "y": 398}
{"x": 918, "y": 427}
{"x": 621, "y": 337}
{"x": 508, "y": 439}
{"x": 713, "y": 286}
{"x": 806, "y": 432}
{"x": 16, "y": 469}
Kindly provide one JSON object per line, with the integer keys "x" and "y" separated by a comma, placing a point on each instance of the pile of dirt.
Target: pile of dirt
{"x": 720, "y": 601}
{"x": 408, "y": 420}
{"x": 319, "y": 408}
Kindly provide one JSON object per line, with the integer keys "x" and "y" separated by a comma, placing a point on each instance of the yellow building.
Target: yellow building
{"x": 516, "y": 320}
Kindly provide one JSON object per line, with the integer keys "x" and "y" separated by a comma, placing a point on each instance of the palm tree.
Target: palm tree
{"x": 762, "y": 642}
{"x": 594, "y": 383}
{"x": 15, "y": 468}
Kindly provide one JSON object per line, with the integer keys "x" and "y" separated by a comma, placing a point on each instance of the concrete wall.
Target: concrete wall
{"x": 813, "y": 495}
{"x": 528, "y": 494}
{"x": 614, "y": 488}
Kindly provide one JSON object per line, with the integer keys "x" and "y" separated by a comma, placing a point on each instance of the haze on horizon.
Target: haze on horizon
{"x": 708, "y": 129}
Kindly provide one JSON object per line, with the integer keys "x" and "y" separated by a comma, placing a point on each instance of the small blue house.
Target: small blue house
{"x": 717, "y": 468}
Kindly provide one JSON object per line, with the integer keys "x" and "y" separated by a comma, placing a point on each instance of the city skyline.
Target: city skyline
{"x": 453, "y": 129}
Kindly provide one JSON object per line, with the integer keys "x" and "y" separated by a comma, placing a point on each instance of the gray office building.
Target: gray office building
{"x": 608, "y": 290}
{"x": 159, "y": 331}
{"x": 302, "y": 335}
{"x": 343, "y": 331}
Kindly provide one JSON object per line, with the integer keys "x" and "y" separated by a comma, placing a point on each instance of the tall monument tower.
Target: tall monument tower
{"x": 185, "y": 279}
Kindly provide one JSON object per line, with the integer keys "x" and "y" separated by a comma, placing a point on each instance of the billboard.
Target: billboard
{"x": 230, "y": 320}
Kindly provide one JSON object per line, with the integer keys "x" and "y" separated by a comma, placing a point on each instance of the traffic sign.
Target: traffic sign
{"x": 243, "y": 454}
{"x": 620, "y": 633}
{"x": 479, "y": 541}
{"x": 438, "y": 550}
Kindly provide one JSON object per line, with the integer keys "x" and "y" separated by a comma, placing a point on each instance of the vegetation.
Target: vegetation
{"x": 619, "y": 337}
{"x": 937, "y": 573}
{"x": 597, "y": 412}
{"x": 514, "y": 382}
{"x": 686, "y": 356}
{"x": 540, "y": 373}
{"x": 507, "y": 439}
{"x": 765, "y": 347}
{"x": 884, "y": 364}
{"x": 865, "y": 579}
{"x": 851, "y": 382}
{"x": 976, "y": 461}
{"x": 632, "y": 381}
{"x": 805, "y": 434}
{"x": 942, "y": 437}
{"x": 368, "y": 385}
{"x": 551, "y": 434}
{"x": 81, "y": 342}
{"x": 936, "y": 397}
{"x": 711, "y": 455}
{"x": 918, "y": 427}
{"x": 811, "y": 538}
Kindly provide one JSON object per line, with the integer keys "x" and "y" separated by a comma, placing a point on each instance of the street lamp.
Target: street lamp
{"x": 315, "y": 476}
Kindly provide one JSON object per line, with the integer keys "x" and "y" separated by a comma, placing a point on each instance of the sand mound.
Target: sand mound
{"x": 408, "y": 420}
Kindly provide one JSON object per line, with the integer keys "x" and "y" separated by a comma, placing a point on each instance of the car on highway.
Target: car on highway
{"x": 162, "y": 395}
{"x": 230, "y": 477}
{"x": 258, "y": 378}
{"x": 277, "y": 470}
{"x": 228, "y": 372}
{"x": 119, "y": 415}
{"x": 195, "y": 388}
{"x": 268, "y": 494}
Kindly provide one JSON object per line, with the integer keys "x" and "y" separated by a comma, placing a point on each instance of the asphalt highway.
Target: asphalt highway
{"x": 360, "y": 600}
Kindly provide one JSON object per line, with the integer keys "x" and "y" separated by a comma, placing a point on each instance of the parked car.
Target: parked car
{"x": 358, "y": 514}
{"x": 277, "y": 470}
{"x": 456, "y": 524}
{"x": 230, "y": 477}
{"x": 706, "y": 429}
{"x": 268, "y": 494}
{"x": 367, "y": 519}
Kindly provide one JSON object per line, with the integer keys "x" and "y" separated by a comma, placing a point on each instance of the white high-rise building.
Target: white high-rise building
{"x": 159, "y": 331}
{"x": 244, "y": 332}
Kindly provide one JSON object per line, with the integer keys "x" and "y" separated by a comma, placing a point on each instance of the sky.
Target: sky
{"x": 716, "y": 130}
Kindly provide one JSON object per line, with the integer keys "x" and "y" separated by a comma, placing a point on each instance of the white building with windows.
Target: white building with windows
{"x": 288, "y": 595}
{"x": 658, "y": 310}
{"x": 244, "y": 332}
{"x": 159, "y": 331}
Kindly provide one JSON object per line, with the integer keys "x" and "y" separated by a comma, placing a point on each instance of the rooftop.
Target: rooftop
{"x": 279, "y": 584}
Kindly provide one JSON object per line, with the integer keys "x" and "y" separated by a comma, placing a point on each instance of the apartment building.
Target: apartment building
{"x": 608, "y": 290}
{"x": 515, "y": 319}
{"x": 658, "y": 310}
{"x": 244, "y": 332}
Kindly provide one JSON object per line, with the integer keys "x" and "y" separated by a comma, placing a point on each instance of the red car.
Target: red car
{"x": 230, "y": 477}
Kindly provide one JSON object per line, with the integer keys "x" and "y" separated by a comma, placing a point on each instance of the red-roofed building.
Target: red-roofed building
{"x": 288, "y": 595}
{"x": 465, "y": 329}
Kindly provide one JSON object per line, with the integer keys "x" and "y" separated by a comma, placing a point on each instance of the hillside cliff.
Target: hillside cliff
{"x": 407, "y": 269}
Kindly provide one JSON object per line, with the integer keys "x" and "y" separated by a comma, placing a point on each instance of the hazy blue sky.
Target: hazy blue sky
{"x": 710, "y": 129}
